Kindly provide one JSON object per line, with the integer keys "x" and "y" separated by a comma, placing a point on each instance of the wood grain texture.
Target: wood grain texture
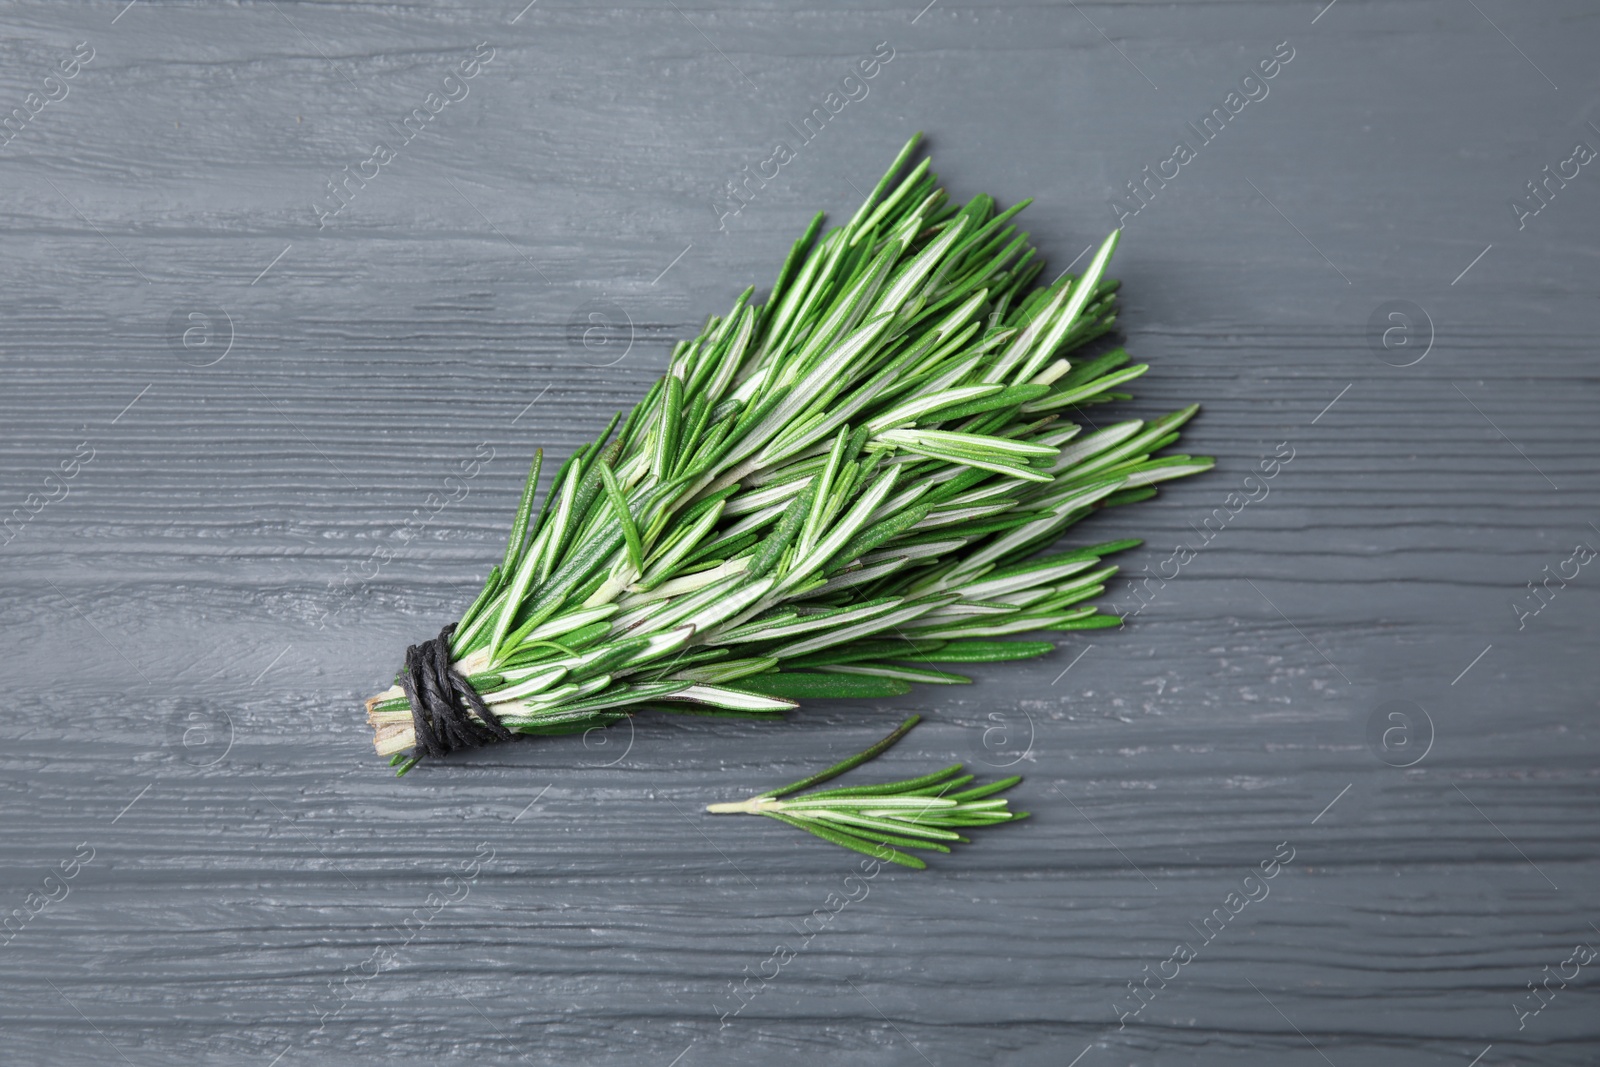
{"x": 195, "y": 616}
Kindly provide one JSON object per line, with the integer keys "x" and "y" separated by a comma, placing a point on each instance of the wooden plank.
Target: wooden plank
{"x": 262, "y": 414}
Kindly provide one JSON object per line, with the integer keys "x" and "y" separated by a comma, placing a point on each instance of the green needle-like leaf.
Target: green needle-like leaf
{"x": 619, "y": 507}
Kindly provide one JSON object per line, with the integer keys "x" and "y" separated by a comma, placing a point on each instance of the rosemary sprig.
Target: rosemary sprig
{"x": 914, "y": 813}
{"x": 828, "y": 493}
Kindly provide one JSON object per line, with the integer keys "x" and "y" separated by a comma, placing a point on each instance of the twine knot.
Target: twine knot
{"x": 443, "y": 703}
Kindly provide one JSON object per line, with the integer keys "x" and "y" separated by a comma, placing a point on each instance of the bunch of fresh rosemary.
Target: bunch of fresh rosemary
{"x": 825, "y": 494}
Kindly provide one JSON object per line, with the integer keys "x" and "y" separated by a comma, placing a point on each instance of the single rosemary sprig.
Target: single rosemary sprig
{"x": 914, "y": 813}
{"x": 827, "y": 495}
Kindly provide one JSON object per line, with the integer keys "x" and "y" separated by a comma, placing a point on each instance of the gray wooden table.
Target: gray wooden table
{"x": 247, "y": 360}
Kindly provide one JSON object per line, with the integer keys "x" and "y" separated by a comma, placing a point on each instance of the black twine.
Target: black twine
{"x": 442, "y": 702}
